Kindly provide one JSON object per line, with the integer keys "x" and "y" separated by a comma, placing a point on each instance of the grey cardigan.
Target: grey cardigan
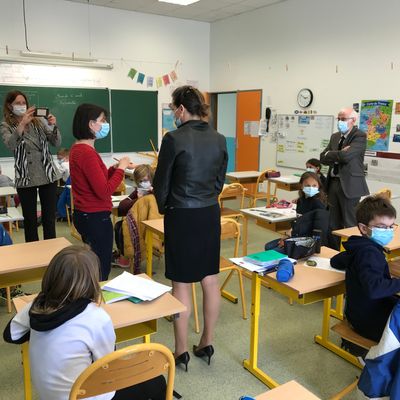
{"x": 39, "y": 166}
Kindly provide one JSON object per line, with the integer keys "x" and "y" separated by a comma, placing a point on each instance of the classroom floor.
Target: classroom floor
{"x": 287, "y": 350}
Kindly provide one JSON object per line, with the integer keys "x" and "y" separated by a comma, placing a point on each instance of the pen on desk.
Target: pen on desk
{"x": 116, "y": 159}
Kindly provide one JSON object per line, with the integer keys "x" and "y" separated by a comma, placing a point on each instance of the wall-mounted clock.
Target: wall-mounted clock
{"x": 305, "y": 98}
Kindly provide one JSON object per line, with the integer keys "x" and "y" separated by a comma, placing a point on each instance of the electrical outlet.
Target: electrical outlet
{"x": 374, "y": 163}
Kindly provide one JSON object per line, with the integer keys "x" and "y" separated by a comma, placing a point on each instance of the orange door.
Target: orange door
{"x": 247, "y": 150}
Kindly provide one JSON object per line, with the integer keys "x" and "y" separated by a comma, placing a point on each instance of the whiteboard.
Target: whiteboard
{"x": 301, "y": 137}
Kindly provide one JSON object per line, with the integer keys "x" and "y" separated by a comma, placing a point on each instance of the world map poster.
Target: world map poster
{"x": 375, "y": 118}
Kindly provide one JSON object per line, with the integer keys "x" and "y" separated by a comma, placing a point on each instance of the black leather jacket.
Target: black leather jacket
{"x": 191, "y": 167}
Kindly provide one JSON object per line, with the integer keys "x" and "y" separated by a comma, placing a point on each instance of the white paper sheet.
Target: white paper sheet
{"x": 324, "y": 263}
{"x": 132, "y": 285}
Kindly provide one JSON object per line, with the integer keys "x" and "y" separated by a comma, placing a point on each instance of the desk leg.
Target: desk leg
{"x": 149, "y": 253}
{"x": 245, "y": 233}
{"x": 27, "y": 370}
{"x": 146, "y": 339}
{"x": 251, "y": 363}
{"x": 338, "y": 311}
{"x": 324, "y": 341}
{"x": 268, "y": 193}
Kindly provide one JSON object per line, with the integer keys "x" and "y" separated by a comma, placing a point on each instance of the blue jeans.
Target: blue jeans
{"x": 97, "y": 231}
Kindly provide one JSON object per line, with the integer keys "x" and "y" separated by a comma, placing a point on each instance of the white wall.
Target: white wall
{"x": 311, "y": 37}
{"x": 149, "y": 43}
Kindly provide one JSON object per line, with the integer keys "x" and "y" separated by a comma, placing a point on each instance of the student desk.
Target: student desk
{"x": 278, "y": 219}
{"x": 393, "y": 248}
{"x": 243, "y": 176}
{"x": 11, "y": 216}
{"x": 289, "y": 183}
{"x": 130, "y": 321}
{"x": 288, "y": 391}
{"x": 7, "y": 192}
{"x": 308, "y": 285}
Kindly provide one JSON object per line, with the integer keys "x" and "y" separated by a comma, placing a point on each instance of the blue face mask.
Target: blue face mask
{"x": 103, "y": 132}
{"x": 382, "y": 236}
{"x": 342, "y": 126}
{"x": 310, "y": 191}
{"x": 311, "y": 170}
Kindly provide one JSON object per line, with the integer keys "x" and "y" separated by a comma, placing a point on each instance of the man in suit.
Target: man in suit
{"x": 346, "y": 180}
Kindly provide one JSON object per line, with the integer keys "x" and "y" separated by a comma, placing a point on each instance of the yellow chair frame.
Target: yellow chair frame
{"x": 257, "y": 194}
{"x": 126, "y": 367}
{"x": 234, "y": 190}
{"x": 230, "y": 229}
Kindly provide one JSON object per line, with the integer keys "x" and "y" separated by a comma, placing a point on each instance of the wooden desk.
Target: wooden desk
{"x": 7, "y": 191}
{"x": 27, "y": 262}
{"x": 243, "y": 177}
{"x": 308, "y": 285}
{"x": 273, "y": 223}
{"x": 130, "y": 321}
{"x": 289, "y": 183}
{"x": 288, "y": 391}
{"x": 11, "y": 216}
{"x": 393, "y": 248}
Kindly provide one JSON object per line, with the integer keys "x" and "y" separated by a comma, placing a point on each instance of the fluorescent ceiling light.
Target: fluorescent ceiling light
{"x": 52, "y": 61}
{"x": 55, "y": 56}
{"x": 180, "y": 2}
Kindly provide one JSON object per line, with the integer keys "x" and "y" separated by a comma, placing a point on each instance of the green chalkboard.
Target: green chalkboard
{"x": 62, "y": 102}
{"x": 134, "y": 120}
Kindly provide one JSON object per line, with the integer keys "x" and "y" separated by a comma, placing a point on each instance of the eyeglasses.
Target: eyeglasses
{"x": 394, "y": 227}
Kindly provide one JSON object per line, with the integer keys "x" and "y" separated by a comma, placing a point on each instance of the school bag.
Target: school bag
{"x": 5, "y": 238}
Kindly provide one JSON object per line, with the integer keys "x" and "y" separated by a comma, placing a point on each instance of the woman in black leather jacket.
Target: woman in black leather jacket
{"x": 189, "y": 177}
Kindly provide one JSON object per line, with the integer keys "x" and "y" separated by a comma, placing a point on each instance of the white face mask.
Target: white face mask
{"x": 19, "y": 110}
{"x": 146, "y": 185}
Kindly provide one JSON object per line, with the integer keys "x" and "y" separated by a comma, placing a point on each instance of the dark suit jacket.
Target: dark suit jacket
{"x": 351, "y": 162}
{"x": 191, "y": 167}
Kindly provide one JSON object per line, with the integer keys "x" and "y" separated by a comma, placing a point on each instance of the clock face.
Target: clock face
{"x": 305, "y": 98}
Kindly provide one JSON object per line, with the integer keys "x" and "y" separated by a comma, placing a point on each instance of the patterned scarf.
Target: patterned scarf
{"x": 135, "y": 239}
{"x": 21, "y": 162}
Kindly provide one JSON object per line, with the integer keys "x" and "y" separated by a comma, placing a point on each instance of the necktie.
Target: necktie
{"x": 336, "y": 165}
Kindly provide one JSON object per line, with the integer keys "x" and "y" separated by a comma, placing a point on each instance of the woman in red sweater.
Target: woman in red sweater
{"x": 93, "y": 184}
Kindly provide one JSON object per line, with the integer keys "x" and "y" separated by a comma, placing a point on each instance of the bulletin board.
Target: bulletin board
{"x": 301, "y": 137}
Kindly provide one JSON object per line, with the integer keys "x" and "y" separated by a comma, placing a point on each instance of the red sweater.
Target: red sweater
{"x": 92, "y": 184}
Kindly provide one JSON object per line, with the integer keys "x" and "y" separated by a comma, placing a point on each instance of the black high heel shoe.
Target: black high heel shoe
{"x": 183, "y": 358}
{"x": 206, "y": 351}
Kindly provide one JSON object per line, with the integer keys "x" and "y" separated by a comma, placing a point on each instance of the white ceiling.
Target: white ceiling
{"x": 203, "y": 10}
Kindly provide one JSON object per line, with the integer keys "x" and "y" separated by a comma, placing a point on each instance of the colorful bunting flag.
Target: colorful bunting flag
{"x": 150, "y": 81}
{"x": 159, "y": 82}
{"x": 132, "y": 73}
{"x": 140, "y": 78}
{"x": 166, "y": 80}
{"x": 173, "y": 76}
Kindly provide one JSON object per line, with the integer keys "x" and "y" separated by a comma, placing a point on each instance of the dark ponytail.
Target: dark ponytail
{"x": 192, "y": 99}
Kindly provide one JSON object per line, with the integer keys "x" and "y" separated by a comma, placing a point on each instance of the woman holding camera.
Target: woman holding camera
{"x": 29, "y": 137}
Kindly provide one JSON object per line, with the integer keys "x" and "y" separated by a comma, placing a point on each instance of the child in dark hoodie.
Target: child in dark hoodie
{"x": 370, "y": 290}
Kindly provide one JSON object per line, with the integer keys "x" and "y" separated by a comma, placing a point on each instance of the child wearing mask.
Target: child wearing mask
{"x": 370, "y": 289}
{"x": 68, "y": 330}
{"x": 311, "y": 209}
{"x": 63, "y": 163}
{"x": 143, "y": 177}
{"x": 314, "y": 165}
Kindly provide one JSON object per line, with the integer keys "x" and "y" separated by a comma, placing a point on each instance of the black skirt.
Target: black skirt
{"x": 192, "y": 243}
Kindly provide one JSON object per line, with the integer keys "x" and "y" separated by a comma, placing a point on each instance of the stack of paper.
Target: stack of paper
{"x": 262, "y": 270}
{"x": 135, "y": 286}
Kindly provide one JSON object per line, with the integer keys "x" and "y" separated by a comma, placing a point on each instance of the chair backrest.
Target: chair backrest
{"x": 385, "y": 192}
{"x": 230, "y": 229}
{"x": 121, "y": 189}
{"x": 125, "y": 367}
{"x": 233, "y": 190}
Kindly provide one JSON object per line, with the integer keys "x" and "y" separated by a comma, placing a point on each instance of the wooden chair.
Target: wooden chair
{"x": 74, "y": 232}
{"x": 125, "y": 367}
{"x": 230, "y": 229}
{"x": 345, "y": 331}
{"x": 257, "y": 194}
{"x": 232, "y": 191}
